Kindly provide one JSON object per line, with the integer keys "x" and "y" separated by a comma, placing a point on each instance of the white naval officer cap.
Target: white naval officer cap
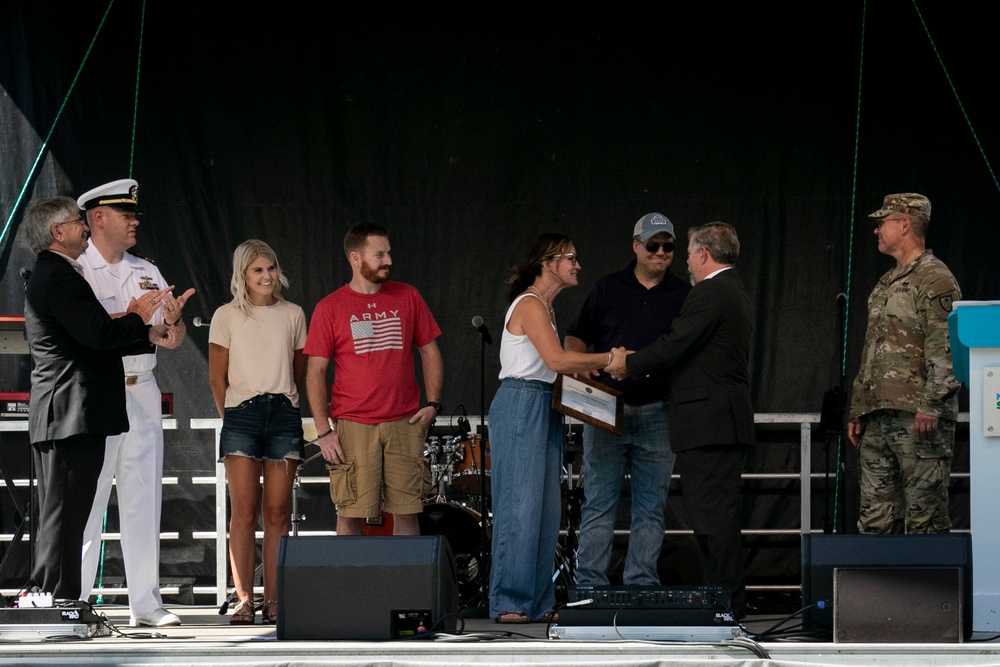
{"x": 122, "y": 195}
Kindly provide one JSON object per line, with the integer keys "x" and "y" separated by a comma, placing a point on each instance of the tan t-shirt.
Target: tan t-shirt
{"x": 261, "y": 347}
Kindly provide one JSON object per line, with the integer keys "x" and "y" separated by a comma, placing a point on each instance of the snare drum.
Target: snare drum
{"x": 465, "y": 477}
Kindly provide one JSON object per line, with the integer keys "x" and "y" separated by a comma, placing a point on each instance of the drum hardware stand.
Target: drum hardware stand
{"x": 485, "y": 553}
{"x": 443, "y": 454}
{"x": 296, "y": 485}
{"x": 573, "y": 499}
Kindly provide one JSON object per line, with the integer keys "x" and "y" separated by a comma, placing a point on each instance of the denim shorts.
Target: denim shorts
{"x": 266, "y": 427}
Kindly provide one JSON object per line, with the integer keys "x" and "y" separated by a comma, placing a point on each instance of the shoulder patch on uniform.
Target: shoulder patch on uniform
{"x": 147, "y": 259}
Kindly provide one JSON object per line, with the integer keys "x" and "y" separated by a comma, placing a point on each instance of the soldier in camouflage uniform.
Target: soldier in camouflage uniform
{"x": 905, "y": 398}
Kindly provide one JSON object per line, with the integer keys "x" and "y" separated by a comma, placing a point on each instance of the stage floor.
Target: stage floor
{"x": 207, "y": 639}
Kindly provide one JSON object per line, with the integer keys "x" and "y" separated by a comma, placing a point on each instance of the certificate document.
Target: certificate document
{"x": 591, "y": 402}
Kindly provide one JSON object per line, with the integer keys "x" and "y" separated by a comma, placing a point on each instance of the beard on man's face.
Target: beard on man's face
{"x": 374, "y": 275}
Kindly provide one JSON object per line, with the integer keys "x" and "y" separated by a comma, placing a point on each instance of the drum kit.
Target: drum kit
{"x": 460, "y": 463}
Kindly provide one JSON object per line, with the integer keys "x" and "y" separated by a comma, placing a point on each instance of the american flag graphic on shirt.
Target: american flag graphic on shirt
{"x": 372, "y": 336}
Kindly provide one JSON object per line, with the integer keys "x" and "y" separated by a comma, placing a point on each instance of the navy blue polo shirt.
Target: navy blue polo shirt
{"x": 621, "y": 312}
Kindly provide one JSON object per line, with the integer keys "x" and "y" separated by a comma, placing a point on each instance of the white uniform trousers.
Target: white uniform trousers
{"x": 135, "y": 460}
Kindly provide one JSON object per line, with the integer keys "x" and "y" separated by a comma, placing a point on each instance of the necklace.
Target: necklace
{"x": 253, "y": 316}
{"x": 548, "y": 308}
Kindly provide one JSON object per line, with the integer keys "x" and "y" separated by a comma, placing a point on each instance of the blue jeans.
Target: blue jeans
{"x": 266, "y": 427}
{"x": 644, "y": 446}
{"x": 526, "y": 444}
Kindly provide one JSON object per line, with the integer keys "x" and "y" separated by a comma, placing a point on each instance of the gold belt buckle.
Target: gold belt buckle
{"x": 131, "y": 380}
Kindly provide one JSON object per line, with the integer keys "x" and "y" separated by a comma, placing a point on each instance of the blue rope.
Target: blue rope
{"x": 131, "y": 158}
{"x": 135, "y": 108}
{"x": 954, "y": 91}
{"x": 45, "y": 144}
{"x": 850, "y": 258}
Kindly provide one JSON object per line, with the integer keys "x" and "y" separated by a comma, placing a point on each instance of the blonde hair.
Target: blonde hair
{"x": 243, "y": 257}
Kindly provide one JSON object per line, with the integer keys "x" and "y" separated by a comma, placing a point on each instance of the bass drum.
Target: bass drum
{"x": 463, "y": 528}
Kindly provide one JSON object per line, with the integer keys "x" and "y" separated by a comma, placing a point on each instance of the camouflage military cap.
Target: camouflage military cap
{"x": 909, "y": 203}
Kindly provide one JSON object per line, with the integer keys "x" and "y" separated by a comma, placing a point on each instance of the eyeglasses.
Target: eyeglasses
{"x": 654, "y": 246}
{"x": 882, "y": 221}
{"x": 80, "y": 221}
{"x": 570, "y": 257}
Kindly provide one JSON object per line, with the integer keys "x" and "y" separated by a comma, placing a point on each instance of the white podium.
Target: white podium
{"x": 974, "y": 329}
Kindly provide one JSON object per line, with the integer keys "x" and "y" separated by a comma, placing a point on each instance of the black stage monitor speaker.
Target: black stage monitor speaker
{"x": 917, "y": 605}
{"x": 823, "y": 556}
{"x": 365, "y": 587}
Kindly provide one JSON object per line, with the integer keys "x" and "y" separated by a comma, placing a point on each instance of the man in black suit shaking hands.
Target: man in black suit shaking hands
{"x": 77, "y": 392}
{"x": 704, "y": 360}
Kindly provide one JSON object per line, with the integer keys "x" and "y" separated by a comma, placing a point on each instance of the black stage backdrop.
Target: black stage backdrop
{"x": 467, "y": 130}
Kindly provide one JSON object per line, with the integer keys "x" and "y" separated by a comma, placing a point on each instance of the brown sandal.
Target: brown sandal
{"x": 269, "y": 612}
{"x": 513, "y": 617}
{"x": 243, "y": 614}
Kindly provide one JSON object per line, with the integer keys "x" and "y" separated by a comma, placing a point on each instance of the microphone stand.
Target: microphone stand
{"x": 832, "y": 426}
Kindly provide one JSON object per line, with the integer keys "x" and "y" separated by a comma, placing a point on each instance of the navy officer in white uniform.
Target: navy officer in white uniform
{"x": 122, "y": 282}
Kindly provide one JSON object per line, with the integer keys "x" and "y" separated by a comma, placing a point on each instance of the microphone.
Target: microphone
{"x": 841, "y": 300}
{"x": 199, "y": 322}
{"x": 477, "y": 322}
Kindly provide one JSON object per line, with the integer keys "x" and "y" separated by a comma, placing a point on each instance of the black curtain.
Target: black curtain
{"x": 467, "y": 130}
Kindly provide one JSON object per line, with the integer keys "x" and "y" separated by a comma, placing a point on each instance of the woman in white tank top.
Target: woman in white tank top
{"x": 526, "y": 435}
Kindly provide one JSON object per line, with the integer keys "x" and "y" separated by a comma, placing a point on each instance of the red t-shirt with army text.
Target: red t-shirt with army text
{"x": 370, "y": 338}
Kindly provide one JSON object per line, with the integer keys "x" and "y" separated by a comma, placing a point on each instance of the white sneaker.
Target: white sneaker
{"x": 158, "y": 618}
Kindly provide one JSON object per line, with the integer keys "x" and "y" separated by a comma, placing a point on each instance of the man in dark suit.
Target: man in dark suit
{"x": 705, "y": 362}
{"x": 77, "y": 392}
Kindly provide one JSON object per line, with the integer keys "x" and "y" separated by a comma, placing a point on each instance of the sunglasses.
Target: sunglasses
{"x": 652, "y": 246}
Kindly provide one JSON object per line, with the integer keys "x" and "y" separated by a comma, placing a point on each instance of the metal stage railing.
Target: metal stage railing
{"x": 804, "y": 423}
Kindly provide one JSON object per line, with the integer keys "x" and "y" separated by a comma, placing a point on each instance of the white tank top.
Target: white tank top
{"x": 518, "y": 357}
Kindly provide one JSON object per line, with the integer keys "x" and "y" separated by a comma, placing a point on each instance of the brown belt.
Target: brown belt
{"x": 136, "y": 378}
